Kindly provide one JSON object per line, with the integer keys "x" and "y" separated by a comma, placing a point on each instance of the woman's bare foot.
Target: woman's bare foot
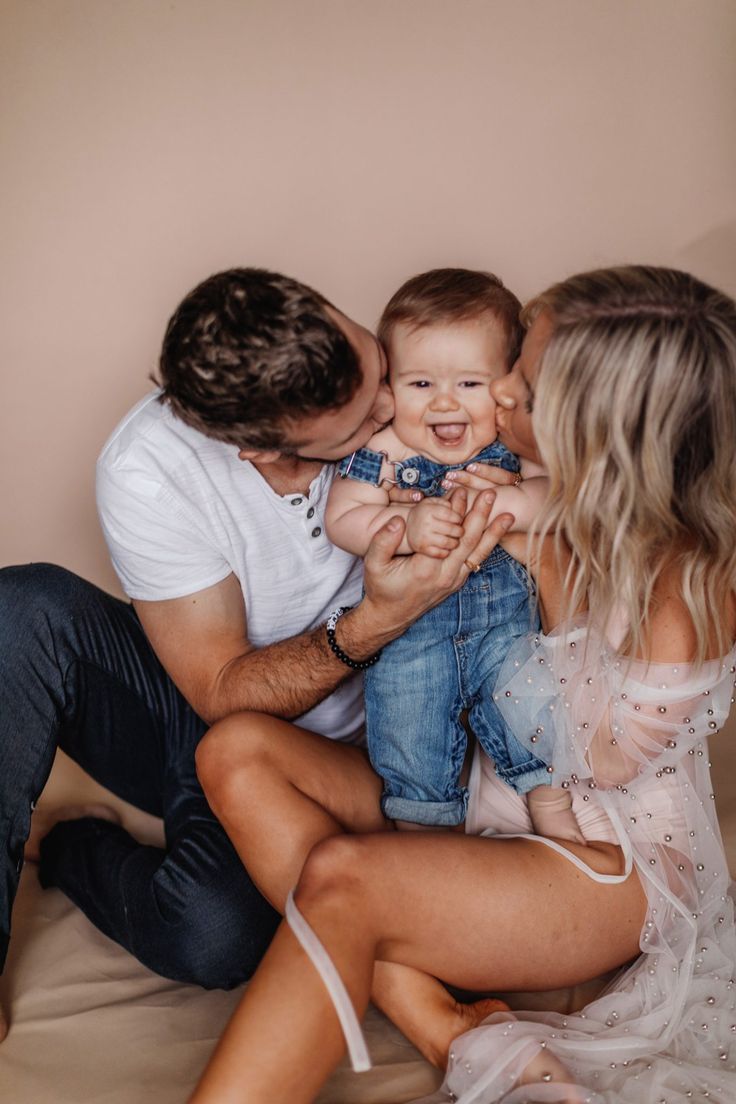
{"x": 472, "y": 1015}
{"x": 427, "y": 1013}
{"x": 459, "y": 1018}
{"x": 43, "y": 820}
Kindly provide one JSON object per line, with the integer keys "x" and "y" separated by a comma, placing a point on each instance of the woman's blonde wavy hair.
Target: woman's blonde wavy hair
{"x": 635, "y": 418}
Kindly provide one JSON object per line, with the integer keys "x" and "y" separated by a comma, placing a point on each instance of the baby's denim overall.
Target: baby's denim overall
{"x": 445, "y": 663}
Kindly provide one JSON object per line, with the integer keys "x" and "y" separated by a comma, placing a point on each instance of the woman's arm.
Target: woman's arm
{"x": 548, "y": 567}
{"x": 626, "y": 717}
{"x": 524, "y": 501}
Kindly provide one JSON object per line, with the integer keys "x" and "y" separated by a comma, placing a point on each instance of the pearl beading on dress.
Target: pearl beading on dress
{"x": 634, "y": 738}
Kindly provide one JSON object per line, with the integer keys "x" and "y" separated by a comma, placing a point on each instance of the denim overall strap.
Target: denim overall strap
{"x": 496, "y": 454}
{"x": 363, "y": 465}
{"x": 418, "y": 472}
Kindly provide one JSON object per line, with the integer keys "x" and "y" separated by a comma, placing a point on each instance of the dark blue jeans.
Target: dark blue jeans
{"x": 77, "y": 671}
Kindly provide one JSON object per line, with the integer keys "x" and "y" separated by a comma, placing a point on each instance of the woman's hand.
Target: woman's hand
{"x": 479, "y": 477}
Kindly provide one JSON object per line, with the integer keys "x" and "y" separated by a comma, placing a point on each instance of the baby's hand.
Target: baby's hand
{"x": 434, "y": 527}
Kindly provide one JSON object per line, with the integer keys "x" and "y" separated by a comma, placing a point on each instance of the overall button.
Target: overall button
{"x": 310, "y": 512}
{"x": 316, "y": 531}
{"x": 409, "y": 475}
{"x": 297, "y": 501}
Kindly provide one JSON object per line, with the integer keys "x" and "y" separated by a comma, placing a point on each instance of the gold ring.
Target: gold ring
{"x": 517, "y": 481}
{"x": 474, "y": 567}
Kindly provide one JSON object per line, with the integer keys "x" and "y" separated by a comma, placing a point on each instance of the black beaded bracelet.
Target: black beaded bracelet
{"x": 356, "y": 664}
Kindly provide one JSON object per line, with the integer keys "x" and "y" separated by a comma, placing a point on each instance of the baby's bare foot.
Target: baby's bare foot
{"x": 459, "y": 1019}
{"x": 546, "y": 1068}
{"x": 450, "y": 1019}
{"x": 551, "y": 814}
{"x": 43, "y": 820}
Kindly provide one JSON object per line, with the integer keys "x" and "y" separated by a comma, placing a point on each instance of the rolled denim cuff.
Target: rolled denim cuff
{"x": 438, "y": 814}
{"x": 523, "y": 780}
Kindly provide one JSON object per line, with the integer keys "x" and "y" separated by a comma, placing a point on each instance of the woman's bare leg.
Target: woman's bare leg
{"x": 278, "y": 791}
{"x": 464, "y": 908}
{"x": 284, "y": 1038}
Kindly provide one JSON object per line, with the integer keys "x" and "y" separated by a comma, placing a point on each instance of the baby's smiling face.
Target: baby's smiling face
{"x": 441, "y": 377}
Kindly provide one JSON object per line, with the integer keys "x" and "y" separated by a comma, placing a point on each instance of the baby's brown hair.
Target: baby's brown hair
{"x": 447, "y": 295}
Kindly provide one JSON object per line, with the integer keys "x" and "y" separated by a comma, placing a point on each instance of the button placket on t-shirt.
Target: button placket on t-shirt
{"x": 312, "y": 523}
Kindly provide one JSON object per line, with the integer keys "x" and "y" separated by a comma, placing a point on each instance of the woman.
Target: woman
{"x": 626, "y": 391}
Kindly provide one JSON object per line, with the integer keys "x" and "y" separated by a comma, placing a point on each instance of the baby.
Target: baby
{"x": 449, "y": 334}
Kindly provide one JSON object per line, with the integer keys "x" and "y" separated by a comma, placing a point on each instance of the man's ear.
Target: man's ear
{"x": 259, "y": 456}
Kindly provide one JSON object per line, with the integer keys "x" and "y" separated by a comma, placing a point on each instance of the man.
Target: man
{"x": 211, "y": 495}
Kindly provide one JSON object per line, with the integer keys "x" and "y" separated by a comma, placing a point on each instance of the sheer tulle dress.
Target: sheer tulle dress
{"x": 630, "y": 739}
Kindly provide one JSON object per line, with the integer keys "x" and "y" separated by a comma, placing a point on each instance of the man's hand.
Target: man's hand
{"x": 399, "y": 589}
{"x": 434, "y": 527}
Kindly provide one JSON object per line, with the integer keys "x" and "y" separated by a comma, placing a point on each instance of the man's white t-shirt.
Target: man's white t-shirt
{"x": 180, "y": 512}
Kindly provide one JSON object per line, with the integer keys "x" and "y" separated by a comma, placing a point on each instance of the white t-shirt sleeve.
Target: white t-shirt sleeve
{"x": 157, "y": 547}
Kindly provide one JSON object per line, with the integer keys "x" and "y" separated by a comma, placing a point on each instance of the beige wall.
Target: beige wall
{"x": 147, "y": 143}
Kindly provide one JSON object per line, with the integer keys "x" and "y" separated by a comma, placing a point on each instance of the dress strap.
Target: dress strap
{"x": 323, "y": 964}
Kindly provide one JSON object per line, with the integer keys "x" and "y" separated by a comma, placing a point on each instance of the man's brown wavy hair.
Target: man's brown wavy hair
{"x": 248, "y": 351}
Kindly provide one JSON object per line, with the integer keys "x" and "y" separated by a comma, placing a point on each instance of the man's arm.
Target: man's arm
{"x": 202, "y": 640}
